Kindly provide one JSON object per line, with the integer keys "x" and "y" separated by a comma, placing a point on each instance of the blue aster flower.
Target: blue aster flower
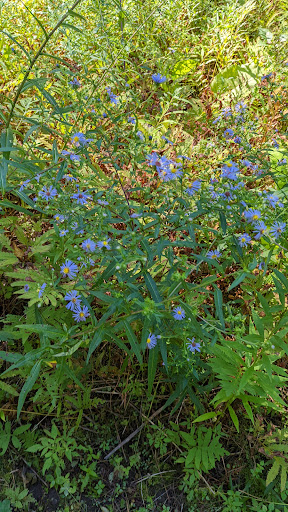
{"x": 275, "y": 143}
{"x": 78, "y": 139}
{"x": 41, "y": 291}
{"x": 178, "y": 313}
{"x": 104, "y": 243}
{"x": 237, "y": 140}
{"x": 69, "y": 269}
{"x": 274, "y": 201}
{"x": 102, "y": 202}
{"x": 63, "y": 232}
{"x": 259, "y": 230}
{"x": 131, "y": 120}
{"x": 277, "y": 229}
{"x": 81, "y": 197}
{"x": 26, "y": 287}
{"x": 24, "y": 185}
{"x": 167, "y": 140}
{"x": 266, "y": 77}
{"x": 112, "y": 96}
{"x": 74, "y": 300}
{"x": 228, "y": 134}
{"x": 140, "y": 135}
{"x": 244, "y": 240}
{"x": 69, "y": 177}
{"x": 213, "y": 255}
{"x": 48, "y": 193}
{"x": 158, "y": 78}
{"x": 226, "y": 112}
{"x": 230, "y": 170}
{"x": 88, "y": 245}
{"x": 80, "y": 314}
{"x": 240, "y": 107}
{"x": 252, "y": 215}
{"x": 194, "y": 187}
{"x": 74, "y": 83}
{"x": 175, "y": 172}
{"x": 282, "y": 162}
{"x": 193, "y": 346}
{"x": 153, "y": 158}
{"x": 75, "y": 227}
{"x": 151, "y": 341}
{"x": 59, "y": 218}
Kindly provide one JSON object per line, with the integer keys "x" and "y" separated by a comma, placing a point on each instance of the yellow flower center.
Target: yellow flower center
{"x": 179, "y": 312}
{"x": 173, "y": 170}
{"x": 104, "y": 243}
{"x": 148, "y": 340}
{"x": 255, "y": 217}
{"x": 73, "y": 300}
{"x": 214, "y": 256}
{"x": 243, "y": 239}
{"x": 164, "y": 173}
{"x": 229, "y": 164}
{"x": 76, "y": 139}
{"x": 88, "y": 246}
{"x": 57, "y": 217}
{"x": 81, "y": 314}
{"x": 66, "y": 270}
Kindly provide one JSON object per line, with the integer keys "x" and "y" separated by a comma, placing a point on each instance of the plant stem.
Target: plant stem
{"x": 19, "y": 90}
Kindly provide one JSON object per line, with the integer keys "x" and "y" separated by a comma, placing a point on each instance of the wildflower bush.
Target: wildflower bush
{"x": 144, "y": 214}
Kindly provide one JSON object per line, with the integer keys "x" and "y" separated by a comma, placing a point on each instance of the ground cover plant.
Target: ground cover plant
{"x": 143, "y": 174}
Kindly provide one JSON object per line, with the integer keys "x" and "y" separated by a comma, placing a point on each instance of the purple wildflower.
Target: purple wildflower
{"x": 73, "y": 298}
{"x": 151, "y": 341}
{"x": 69, "y": 269}
{"x": 80, "y": 315}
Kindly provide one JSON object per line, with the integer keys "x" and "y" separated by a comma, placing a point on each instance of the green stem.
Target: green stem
{"x": 19, "y": 90}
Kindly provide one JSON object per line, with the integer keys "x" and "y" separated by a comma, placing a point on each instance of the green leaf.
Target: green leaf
{"x": 248, "y": 409}
{"x": 47, "y": 330}
{"x": 273, "y": 472}
{"x": 18, "y": 44}
{"x": 72, "y": 27}
{"x": 76, "y": 15}
{"x": 8, "y": 389}
{"x": 97, "y": 339}
{"x": 7, "y": 204}
{"x": 183, "y": 67}
{"x": 233, "y": 417}
{"x": 205, "y": 417}
{"x": 281, "y": 277}
{"x": 237, "y": 281}
{"x": 247, "y": 375}
{"x": 283, "y": 476}
{"x": 5, "y": 435}
{"x": 223, "y": 222}
{"x": 3, "y": 174}
{"x": 218, "y": 305}
{"x": 133, "y": 341}
{"x": 28, "y": 386}
{"x": 37, "y": 20}
{"x": 7, "y": 258}
{"x": 152, "y": 288}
